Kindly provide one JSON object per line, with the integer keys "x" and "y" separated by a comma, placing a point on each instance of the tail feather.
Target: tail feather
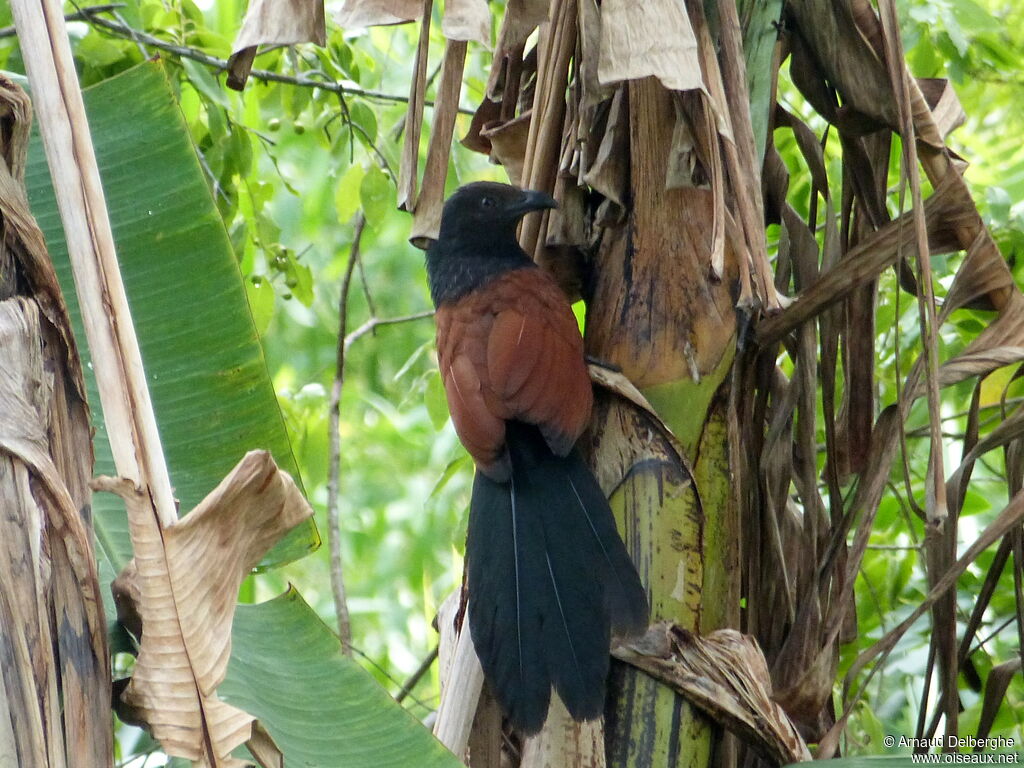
{"x": 627, "y": 601}
{"x": 548, "y": 579}
{"x": 504, "y": 612}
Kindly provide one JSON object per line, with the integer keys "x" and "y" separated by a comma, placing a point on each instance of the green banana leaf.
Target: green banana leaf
{"x": 356, "y": 723}
{"x": 214, "y": 401}
{"x": 204, "y": 362}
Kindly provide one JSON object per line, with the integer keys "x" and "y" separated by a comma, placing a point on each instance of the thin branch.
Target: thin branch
{"x": 221, "y": 65}
{"x": 143, "y": 51}
{"x": 370, "y": 303}
{"x": 355, "y": 127}
{"x": 80, "y": 15}
{"x": 399, "y": 129}
{"x": 416, "y": 676}
{"x": 376, "y": 322}
{"x": 334, "y": 480}
{"x": 390, "y": 678}
{"x": 981, "y": 643}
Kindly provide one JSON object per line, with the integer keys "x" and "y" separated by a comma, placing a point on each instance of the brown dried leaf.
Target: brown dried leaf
{"x": 409, "y": 164}
{"x": 995, "y": 691}
{"x": 608, "y": 174}
{"x": 508, "y": 144}
{"x": 943, "y": 102}
{"x": 808, "y": 144}
{"x": 357, "y": 14}
{"x": 556, "y": 45}
{"x": 725, "y": 675}
{"x": 467, "y": 20}
{"x": 521, "y": 18}
{"x": 488, "y": 114}
{"x": 983, "y": 273}
{"x": 270, "y": 22}
{"x": 23, "y": 238}
{"x": 650, "y": 39}
{"x": 589, "y": 22}
{"x": 944, "y": 211}
{"x": 977, "y": 361}
{"x": 188, "y": 579}
{"x": 427, "y": 220}
{"x": 727, "y": 78}
{"x": 463, "y": 19}
{"x": 696, "y": 160}
{"x": 854, "y": 65}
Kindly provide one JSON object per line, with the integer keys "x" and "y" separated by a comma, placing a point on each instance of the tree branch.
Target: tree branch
{"x": 91, "y": 16}
{"x": 416, "y": 676}
{"x": 80, "y": 15}
{"x": 334, "y": 458}
{"x": 376, "y": 322}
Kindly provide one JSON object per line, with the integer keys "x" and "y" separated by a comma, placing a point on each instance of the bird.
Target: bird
{"x": 548, "y": 578}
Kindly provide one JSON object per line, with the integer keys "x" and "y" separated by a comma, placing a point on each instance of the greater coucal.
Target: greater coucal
{"x": 548, "y": 577}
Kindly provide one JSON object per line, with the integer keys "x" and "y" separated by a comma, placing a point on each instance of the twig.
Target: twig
{"x": 416, "y": 676}
{"x": 355, "y": 127}
{"x": 389, "y": 677}
{"x": 376, "y": 322}
{"x": 370, "y": 303}
{"x": 80, "y": 15}
{"x": 221, "y": 65}
{"x": 218, "y": 190}
{"x": 143, "y": 51}
{"x": 334, "y": 480}
{"x": 396, "y": 132}
{"x": 981, "y": 643}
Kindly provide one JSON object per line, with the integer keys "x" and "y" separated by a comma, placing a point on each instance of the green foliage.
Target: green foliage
{"x": 198, "y": 342}
{"x": 367, "y": 729}
{"x": 980, "y": 48}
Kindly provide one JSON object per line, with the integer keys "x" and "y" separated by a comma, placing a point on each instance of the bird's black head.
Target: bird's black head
{"x": 477, "y": 241}
{"x": 485, "y": 210}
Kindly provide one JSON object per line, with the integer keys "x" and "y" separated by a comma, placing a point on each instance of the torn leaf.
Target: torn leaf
{"x": 274, "y": 22}
{"x": 648, "y": 39}
{"x": 725, "y": 675}
{"x": 467, "y": 20}
{"x": 188, "y": 577}
{"x": 508, "y": 144}
{"x": 359, "y": 14}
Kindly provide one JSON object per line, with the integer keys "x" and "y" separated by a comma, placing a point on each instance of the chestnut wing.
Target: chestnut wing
{"x": 462, "y": 331}
{"x": 512, "y": 350}
{"x": 535, "y": 363}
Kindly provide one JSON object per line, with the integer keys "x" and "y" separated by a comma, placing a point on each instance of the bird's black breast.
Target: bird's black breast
{"x": 456, "y": 269}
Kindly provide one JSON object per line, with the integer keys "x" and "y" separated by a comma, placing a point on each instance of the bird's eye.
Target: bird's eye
{"x": 487, "y": 202}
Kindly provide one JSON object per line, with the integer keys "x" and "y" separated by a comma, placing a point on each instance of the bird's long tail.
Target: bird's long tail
{"x": 549, "y": 579}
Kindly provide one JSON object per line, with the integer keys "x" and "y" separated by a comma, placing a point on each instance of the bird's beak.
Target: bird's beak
{"x": 531, "y": 200}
